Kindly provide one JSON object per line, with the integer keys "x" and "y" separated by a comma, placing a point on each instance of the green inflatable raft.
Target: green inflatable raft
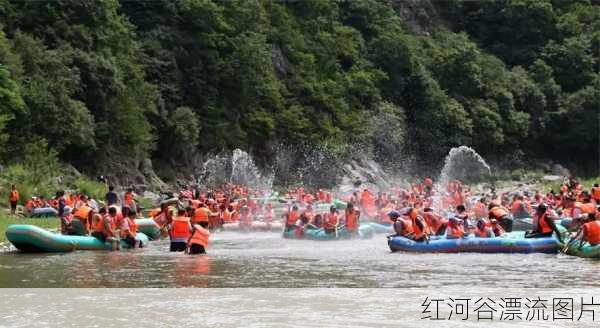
{"x": 148, "y": 227}
{"x": 32, "y": 239}
{"x": 365, "y": 231}
{"x": 587, "y": 250}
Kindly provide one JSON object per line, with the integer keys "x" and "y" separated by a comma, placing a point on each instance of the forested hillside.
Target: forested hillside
{"x": 109, "y": 83}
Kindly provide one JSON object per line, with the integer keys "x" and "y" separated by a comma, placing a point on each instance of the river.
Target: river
{"x": 267, "y": 260}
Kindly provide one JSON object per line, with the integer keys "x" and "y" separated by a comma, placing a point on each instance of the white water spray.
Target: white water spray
{"x": 463, "y": 163}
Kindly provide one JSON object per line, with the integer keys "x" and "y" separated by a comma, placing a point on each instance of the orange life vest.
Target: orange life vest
{"x": 292, "y": 217}
{"x": 456, "y": 231}
{"x": 14, "y": 196}
{"x": 200, "y": 236}
{"x": 132, "y": 228}
{"x": 596, "y": 193}
{"x": 417, "y": 230}
{"x": 82, "y": 213}
{"x": 591, "y": 232}
{"x": 589, "y": 208}
{"x": 226, "y": 216}
{"x": 128, "y": 199}
{"x": 200, "y": 215}
{"x": 331, "y": 220}
{"x": 99, "y": 224}
{"x": 433, "y": 220}
{"x": 351, "y": 221}
{"x": 482, "y": 233}
{"x": 498, "y": 212}
{"x": 408, "y": 226}
{"x": 543, "y": 226}
{"x": 480, "y": 210}
{"x": 180, "y": 229}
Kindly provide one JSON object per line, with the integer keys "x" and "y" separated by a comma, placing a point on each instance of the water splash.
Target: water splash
{"x": 464, "y": 163}
{"x": 245, "y": 172}
{"x": 237, "y": 167}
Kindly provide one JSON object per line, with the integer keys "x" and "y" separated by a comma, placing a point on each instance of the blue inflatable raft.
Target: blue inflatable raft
{"x": 514, "y": 242}
{"x": 32, "y": 239}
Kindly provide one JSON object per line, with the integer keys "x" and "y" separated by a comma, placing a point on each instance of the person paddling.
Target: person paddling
{"x": 331, "y": 220}
{"x": 455, "y": 228}
{"x": 482, "y": 231}
{"x": 543, "y": 224}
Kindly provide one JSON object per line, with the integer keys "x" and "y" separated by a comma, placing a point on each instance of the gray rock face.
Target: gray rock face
{"x": 150, "y": 177}
{"x": 560, "y": 170}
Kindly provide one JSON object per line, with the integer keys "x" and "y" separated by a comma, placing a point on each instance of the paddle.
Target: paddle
{"x": 338, "y": 226}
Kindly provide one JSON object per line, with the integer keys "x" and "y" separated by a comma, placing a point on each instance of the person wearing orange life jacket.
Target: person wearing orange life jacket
{"x": 543, "y": 224}
{"x": 180, "y": 231}
{"x": 309, "y": 212}
{"x": 587, "y": 206}
{"x": 328, "y": 197}
{"x": 455, "y": 228}
{"x": 82, "y": 220}
{"x": 269, "y": 214}
{"x": 331, "y": 220}
{"x": 402, "y": 227}
{"x": 104, "y": 228}
{"x": 480, "y": 210}
{"x": 501, "y": 215}
{"x": 419, "y": 226}
{"x": 463, "y": 216}
{"x": 589, "y": 231}
{"x": 200, "y": 214}
{"x": 595, "y": 192}
{"x": 291, "y": 217}
{"x": 128, "y": 230}
{"x": 198, "y": 242}
{"x": 519, "y": 208}
{"x": 437, "y": 223}
{"x": 482, "y": 231}
{"x": 320, "y": 195}
{"x": 573, "y": 209}
{"x": 496, "y": 228}
{"x": 13, "y": 199}
{"x": 352, "y": 217}
{"x": 128, "y": 198}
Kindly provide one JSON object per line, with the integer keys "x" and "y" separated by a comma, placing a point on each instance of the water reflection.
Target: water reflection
{"x": 267, "y": 260}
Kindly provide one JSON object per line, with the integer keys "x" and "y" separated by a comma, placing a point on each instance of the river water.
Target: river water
{"x": 267, "y": 260}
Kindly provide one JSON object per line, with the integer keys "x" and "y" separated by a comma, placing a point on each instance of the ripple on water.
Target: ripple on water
{"x": 267, "y": 260}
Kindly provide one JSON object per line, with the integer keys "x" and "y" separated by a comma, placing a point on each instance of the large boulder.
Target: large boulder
{"x": 560, "y": 170}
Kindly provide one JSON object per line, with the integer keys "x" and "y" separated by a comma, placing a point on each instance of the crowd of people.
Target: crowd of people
{"x": 418, "y": 211}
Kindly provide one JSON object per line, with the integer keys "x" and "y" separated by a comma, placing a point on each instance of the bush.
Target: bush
{"x": 96, "y": 190}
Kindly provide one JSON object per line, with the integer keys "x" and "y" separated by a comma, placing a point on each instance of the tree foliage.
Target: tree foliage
{"x": 169, "y": 79}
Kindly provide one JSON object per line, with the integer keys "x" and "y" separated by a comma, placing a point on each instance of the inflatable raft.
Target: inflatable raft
{"x": 513, "y": 242}
{"x": 381, "y": 228}
{"x": 587, "y": 250}
{"x": 44, "y": 212}
{"x": 149, "y": 228}
{"x": 32, "y": 239}
{"x": 256, "y": 226}
{"x": 365, "y": 231}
